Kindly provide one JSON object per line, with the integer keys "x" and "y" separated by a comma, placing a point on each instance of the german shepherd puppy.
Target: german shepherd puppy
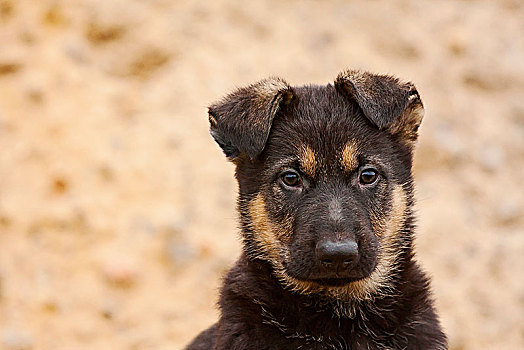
{"x": 326, "y": 211}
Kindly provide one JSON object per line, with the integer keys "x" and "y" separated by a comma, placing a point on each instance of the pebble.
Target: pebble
{"x": 120, "y": 272}
{"x": 16, "y": 339}
{"x": 75, "y": 52}
{"x": 108, "y": 310}
{"x": 448, "y": 141}
{"x": 508, "y": 212}
{"x": 491, "y": 158}
{"x": 178, "y": 251}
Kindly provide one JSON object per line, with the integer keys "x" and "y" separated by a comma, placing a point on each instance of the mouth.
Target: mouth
{"x": 329, "y": 280}
{"x": 335, "y": 282}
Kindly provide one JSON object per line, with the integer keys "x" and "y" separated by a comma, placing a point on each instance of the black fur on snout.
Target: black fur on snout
{"x": 329, "y": 218}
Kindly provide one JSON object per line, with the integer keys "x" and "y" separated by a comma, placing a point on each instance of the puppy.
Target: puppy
{"x": 326, "y": 212}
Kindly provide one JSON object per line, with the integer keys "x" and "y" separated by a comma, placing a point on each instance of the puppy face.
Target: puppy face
{"x": 326, "y": 197}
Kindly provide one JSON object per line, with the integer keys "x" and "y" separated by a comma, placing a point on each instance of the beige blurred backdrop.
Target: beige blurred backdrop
{"x": 117, "y": 210}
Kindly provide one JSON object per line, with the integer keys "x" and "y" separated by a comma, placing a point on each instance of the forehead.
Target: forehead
{"x": 322, "y": 124}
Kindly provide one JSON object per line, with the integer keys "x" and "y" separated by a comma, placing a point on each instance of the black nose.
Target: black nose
{"x": 337, "y": 255}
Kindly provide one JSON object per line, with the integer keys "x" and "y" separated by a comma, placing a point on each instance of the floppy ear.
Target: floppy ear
{"x": 387, "y": 102}
{"x": 240, "y": 122}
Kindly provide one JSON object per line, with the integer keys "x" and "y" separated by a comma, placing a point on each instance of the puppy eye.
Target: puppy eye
{"x": 291, "y": 179}
{"x": 368, "y": 176}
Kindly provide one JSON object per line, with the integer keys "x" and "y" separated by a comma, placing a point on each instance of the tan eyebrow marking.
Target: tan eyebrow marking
{"x": 308, "y": 160}
{"x": 349, "y": 160}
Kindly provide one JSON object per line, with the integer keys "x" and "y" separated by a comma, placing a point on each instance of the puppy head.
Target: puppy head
{"x": 324, "y": 177}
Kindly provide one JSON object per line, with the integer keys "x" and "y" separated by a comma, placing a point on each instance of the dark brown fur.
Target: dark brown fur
{"x": 281, "y": 294}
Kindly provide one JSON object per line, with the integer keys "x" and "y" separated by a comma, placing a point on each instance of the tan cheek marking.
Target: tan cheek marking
{"x": 263, "y": 232}
{"x": 267, "y": 234}
{"x": 389, "y": 248}
{"x": 308, "y": 161}
{"x": 349, "y": 160}
{"x": 398, "y": 214}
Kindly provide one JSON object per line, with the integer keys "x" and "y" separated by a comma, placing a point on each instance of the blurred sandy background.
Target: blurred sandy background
{"x": 117, "y": 209}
